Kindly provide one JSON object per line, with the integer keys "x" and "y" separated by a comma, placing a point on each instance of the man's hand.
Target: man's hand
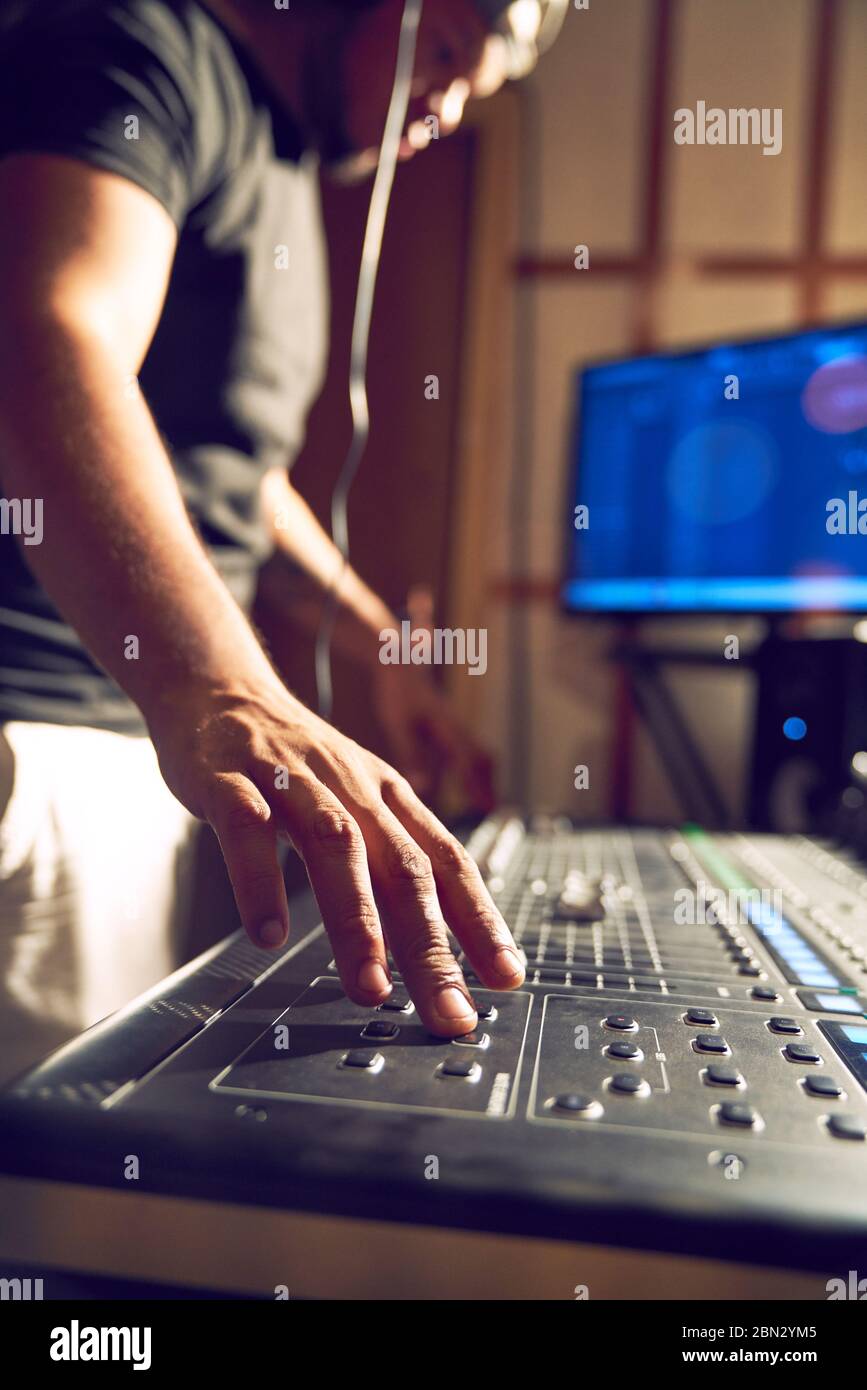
{"x": 257, "y": 764}
{"x": 427, "y": 737}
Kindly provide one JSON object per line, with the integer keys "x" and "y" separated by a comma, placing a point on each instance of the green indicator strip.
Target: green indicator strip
{"x": 727, "y": 874}
{"x": 725, "y": 871}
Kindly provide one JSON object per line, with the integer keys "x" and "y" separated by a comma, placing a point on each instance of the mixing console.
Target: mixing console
{"x": 684, "y": 1071}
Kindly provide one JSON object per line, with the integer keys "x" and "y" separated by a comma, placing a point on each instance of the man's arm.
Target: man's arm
{"x": 298, "y": 536}
{"x": 425, "y": 735}
{"x": 84, "y": 264}
{"x": 85, "y": 258}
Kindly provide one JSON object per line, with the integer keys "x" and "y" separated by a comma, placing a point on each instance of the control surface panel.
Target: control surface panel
{"x": 325, "y": 1048}
{"x": 684, "y": 1069}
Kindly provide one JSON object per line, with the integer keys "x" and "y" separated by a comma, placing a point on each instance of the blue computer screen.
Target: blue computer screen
{"x": 728, "y": 479}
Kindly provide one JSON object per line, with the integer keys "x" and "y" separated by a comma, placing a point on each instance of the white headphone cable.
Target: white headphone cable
{"x": 370, "y": 256}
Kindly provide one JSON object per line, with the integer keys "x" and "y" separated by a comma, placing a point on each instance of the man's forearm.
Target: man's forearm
{"x": 311, "y": 566}
{"x": 119, "y": 556}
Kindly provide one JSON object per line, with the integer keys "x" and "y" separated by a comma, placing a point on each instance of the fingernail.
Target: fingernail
{"x": 451, "y": 1004}
{"x": 507, "y": 964}
{"x": 272, "y": 933}
{"x": 373, "y": 979}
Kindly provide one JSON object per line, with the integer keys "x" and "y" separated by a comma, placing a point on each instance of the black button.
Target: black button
{"x": 703, "y": 1018}
{"x": 710, "y": 1042}
{"x": 486, "y": 1012}
{"x": 764, "y": 992}
{"x": 474, "y": 1039}
{"x": 801, "y": 1052}
{"x": 785, "y": 1025}
{"x": 624, "y": 1051}
{"x": 569, "y": 1100}
{"x": 363, "y": 1057}
{"x": 735, "y": 1112}
{"x": 718, "y": 1075}
{"x": 847, "y": 1127}
{"x": 380, "y": 1029}
{"x": 822, "y": 1086}
{"x": 464, "y": 1067}
{"x": 397, "y": 1004}
{"x": 622, "y": 1022}
{"x": 627, "y": 1083}
{"x": 749, "y": 970}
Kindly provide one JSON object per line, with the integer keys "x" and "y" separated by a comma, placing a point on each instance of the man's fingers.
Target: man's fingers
{"x": 331, "y": 845}
{"x": 244, "y": 825}
{"x": 417, "y": 933}
{"x": 349, "y": 839}
{"x": 468, "y": 907}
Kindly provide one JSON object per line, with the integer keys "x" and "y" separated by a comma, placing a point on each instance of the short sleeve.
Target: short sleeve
{"x": 112, "y": 84}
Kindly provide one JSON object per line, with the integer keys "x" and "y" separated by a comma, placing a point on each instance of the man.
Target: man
{"x": 161, "y": 338}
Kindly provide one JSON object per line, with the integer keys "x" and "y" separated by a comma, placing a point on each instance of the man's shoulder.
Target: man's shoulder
{"x": 180, "y": 33}
{"x": 149, "y": 89}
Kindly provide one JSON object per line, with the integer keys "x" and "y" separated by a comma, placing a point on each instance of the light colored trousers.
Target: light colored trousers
{"x": 95, "y": 867}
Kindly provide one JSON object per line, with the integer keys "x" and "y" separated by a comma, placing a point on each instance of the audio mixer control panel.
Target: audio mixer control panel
{"x": 695, "y": 1070}
{"x": 325, "y": 1048}
{"x": 693, "y": 1011}
{"x": 662, "y": 1066}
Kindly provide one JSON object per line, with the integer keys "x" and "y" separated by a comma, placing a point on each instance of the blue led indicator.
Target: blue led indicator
{"x": 789, "y": 944}
{"x": 794, "y": 728}
{"x": 838, "y": 1004}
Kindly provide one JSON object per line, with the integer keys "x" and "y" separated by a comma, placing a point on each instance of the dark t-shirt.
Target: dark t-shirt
{"x": 158, "y": 92}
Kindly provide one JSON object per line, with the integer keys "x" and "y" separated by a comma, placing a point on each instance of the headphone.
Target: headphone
{"x": 523, "y": 49}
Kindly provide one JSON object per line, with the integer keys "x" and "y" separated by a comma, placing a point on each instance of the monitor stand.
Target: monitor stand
{"x": 643, "y": 666}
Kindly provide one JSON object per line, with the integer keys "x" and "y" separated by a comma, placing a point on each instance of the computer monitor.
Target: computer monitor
{"x": 727, "y": 479}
